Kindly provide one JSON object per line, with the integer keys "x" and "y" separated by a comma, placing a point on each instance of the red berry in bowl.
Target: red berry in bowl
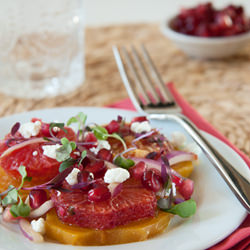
{"x": 37, "y": 198}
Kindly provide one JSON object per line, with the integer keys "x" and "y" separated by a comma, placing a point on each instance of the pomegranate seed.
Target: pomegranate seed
{"x": 152, "y": 181}
{"x": 99, "y": 193}
{"x": 206, "y": 21}
{"x": 105, "y": 155}
{"x": 86, "y": 177}
{"x": 37, "y": 198}
{"x": 45, "y": 130}
{"x": 176, "y": 180}
{"x": 186, "y": 189}
{"x": 113, "y": 127}
{"x": 139, "y": 119}
{"x": 98, "y": 168}
{"x": 137, "y": 170}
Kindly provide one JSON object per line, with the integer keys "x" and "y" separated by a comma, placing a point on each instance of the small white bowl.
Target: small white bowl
{"x": 206, "y": 48}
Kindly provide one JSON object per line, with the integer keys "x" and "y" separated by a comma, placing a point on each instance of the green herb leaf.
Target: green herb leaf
{"x": 123, "y": 162}
{"x": 83, "y": 155}
{"x": 72, "y": 120}
{"x": 10, "y": 198}
{"x": 80, "y": 118}
{"x": 63, "y": 153}
{"x": 57, "y": 125}
{"x": 73, "y": 145}
{"x": 28, "y": 178}
{"x": 22, "y": 171}
{"x": 184, "y": 209}
{"x": 21, "y": 209}
{"x": 67, "y": 163}
{"x": 100, "y": 132}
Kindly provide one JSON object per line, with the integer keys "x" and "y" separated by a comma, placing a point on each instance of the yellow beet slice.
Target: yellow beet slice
{"x": 134, "y": 231}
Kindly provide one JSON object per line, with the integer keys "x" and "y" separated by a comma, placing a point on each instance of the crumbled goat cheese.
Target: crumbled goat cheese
{"x": 35, "y": 153}
{"x": 56, "y": 129}
{"x": 30, "y": 129}
{"x": 50, "y": 150}
{"x": 72, "y": 177}
{"x": 38, "y": 225}
{"x": 58, "y": 193}
{"x": 139, "y": 127}
{"x": 77, "y": 153}
{"x": 101, "y": 144}
{"x": 1, "y": 209}
{"x": 117, "y": 175}
{"x": 178, "y": 139}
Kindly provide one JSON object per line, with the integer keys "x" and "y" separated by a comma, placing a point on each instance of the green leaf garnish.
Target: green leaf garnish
{"x": 83, "y": 155}
{"x": 23, "y": 173}
{"x": 20, "y": 209}
{"x": 123, "y": 162}
{"x": 100, "y": 133}
{"x": 11, "y": 197}
{"x": 63, "y": 153}
{"x": 57, "y": 125}
{"x": 67, "y": 163}
{"x": 80, "y": 119}
{"x": 184, "y": 209}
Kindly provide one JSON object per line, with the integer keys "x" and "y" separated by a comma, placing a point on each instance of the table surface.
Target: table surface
{"x": 219, "y": 90}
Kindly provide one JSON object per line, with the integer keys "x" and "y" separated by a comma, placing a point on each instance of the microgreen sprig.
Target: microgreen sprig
{"x": 101, "y": 133}
{"x": 63, "y": 153}
{"x": 184, "y": 209}
{"x": 123, "y": 162}
{"x": 13, "y": 198}
{"x": 79, "y": 119}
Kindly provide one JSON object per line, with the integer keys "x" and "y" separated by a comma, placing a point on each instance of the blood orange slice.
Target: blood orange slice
{"x": 133, "y": 203}
{"x": 38, "y": 166}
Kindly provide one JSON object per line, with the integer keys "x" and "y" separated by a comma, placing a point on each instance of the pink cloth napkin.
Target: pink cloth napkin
{"x": 240, "y": 238}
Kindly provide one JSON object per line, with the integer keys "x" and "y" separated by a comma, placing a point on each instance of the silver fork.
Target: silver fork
{"x": 150, "y": 96}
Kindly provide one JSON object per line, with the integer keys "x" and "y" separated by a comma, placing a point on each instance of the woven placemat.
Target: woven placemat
{"x": 219, "y": 90}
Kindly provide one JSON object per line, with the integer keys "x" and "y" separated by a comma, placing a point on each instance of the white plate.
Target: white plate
{"x": 218, "y": 213}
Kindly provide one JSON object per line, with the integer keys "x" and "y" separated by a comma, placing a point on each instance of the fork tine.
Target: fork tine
{"x": 158, "y": 80}
{"x": 135, "y": 100}
{"x": 148, "y": 84}
{"x": 141, "y": 92}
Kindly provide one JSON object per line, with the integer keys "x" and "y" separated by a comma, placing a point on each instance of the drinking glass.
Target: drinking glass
{"x": 41, "y": 47}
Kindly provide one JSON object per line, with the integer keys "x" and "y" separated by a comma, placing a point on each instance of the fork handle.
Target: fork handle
{"x": 239, "y": 185}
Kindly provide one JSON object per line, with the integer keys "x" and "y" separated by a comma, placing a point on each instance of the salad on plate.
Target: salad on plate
{"x": 82, "y": 183}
